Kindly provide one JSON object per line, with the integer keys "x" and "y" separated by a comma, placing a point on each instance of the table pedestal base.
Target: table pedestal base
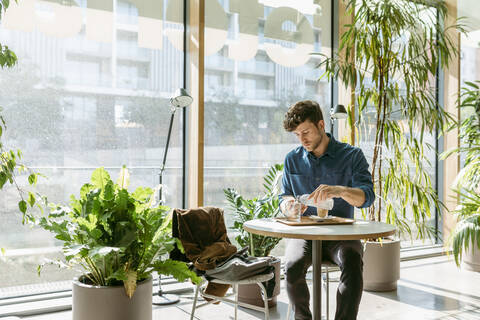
{"x": 317, "y": 279}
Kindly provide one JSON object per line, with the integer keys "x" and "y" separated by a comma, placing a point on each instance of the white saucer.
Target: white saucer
{"x": 321, "y": 218}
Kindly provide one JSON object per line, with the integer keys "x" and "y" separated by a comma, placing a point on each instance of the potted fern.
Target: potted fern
{"x": 389, "y": 55}
{"x": 465, "y": 238}
{"x": 116, "y": 239}
{"x": 264, "y": 206}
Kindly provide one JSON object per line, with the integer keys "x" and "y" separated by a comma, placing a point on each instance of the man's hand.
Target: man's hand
{"x": 324, "y": 192}
{"x": 289, "y": 207}
{"x": 354, "y": 196}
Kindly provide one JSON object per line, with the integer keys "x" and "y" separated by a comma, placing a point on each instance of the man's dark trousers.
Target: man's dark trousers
{"x": 346, "y": 254}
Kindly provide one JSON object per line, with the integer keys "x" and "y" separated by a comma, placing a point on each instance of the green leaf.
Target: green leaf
{"x": 31, "y": 199}
{"x": 179, "y": 245}
{"x": 58, "y": 263}
{"x": 22, "y": 205}
{"x": 179, "y": 270}
{"x": 142, "y": 194}
{"x": 122, "y": 200}
{"x": 120, "y": 275}
{"x": 32, "y": 179}
{"x": 125, "y": 234}
{"x": 85, "y": 189}
{"x": 102, "y": 252}
{"x": 100, "y": 177}
{"x": 109, "y": 191}
{"x": 96, "y": 234}
{"x": 3, "y": 179}
{"x": 76, "y": 250}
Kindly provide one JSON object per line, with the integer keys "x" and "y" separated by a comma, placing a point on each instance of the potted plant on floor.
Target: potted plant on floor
{"x": 465, "y": 238}
{"x": 264, "y": 206}
{"x": 390, "y": 55}
{"x": 116, "y": 239}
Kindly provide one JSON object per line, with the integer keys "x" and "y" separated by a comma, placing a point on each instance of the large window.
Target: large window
{"x": 93, "y": 84}
{"x": 91, "y": 88}
{"x": 470, "y": 48}
{"x": 258, "y": 62}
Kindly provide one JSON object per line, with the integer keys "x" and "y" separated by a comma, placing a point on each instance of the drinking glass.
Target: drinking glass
{"x": 295, "y": 213}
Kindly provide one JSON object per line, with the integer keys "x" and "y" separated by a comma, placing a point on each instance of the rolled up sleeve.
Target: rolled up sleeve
{"x": 362, "y": 179}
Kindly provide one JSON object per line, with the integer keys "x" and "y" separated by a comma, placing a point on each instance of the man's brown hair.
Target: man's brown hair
{"x": 301, "y": 111}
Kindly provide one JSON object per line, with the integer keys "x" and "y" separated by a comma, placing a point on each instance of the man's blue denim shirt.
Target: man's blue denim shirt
{"x": 342, "y": 164}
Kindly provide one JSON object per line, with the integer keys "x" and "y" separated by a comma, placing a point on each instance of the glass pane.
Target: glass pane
{"x": 470, "y": 51}
{"x": 258, "y": 62}
{"x": 91, "y": 88}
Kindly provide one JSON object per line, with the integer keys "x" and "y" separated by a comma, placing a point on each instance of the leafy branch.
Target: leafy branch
{"x": 10, "y": 160}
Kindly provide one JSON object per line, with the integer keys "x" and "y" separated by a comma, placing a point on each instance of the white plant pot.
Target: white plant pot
{"x": 111, "y": 303}
{"x": 471, "y": 258}
{"x": 381, "y": 265}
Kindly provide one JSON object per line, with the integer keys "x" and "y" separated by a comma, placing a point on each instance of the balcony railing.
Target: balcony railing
{"x": 89, "y": 80}
{"x": 83, "y": 45}
{"x": 259, "y": 94}
{"x": 132, "y": 83}
{"x": 218, "y": 62}
{"x": 256, "y": 67}
{"x": 132, "y": 51}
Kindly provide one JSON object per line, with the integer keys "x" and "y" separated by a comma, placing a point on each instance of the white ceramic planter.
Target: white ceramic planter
{"x": 111, "y": 303}
{"x": 381, "y": 265}
{"x": 471, "y": 259}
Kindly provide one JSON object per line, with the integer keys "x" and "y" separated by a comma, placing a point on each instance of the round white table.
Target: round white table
{"x": 360, "y": 229}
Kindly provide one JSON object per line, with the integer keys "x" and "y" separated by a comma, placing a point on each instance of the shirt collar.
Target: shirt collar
{"x": 331, "y": 149}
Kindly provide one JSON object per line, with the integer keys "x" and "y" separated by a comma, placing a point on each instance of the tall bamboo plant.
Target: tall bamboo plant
{"x": 390, "y": 54}
{"x": 467, "y": 183}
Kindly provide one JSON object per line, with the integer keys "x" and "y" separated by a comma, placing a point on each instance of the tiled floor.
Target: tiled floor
{"x": 432, "y": 288}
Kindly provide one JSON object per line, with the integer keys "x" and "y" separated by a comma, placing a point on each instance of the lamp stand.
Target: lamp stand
{"x": 161, "y": 298}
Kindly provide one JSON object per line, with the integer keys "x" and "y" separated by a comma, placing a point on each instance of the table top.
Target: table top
{"x": 360, "y": 229}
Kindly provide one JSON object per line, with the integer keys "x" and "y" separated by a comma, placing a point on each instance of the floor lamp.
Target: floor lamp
{"x": 180, "y": 99}
{"x": 339, "y": 112}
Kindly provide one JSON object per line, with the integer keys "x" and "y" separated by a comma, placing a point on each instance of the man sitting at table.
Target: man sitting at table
{"x": 324, "y": 168}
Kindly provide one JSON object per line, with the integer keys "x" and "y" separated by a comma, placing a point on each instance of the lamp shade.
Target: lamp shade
{"x": 181, "y": 98}
{"x": 339, "y": 112}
